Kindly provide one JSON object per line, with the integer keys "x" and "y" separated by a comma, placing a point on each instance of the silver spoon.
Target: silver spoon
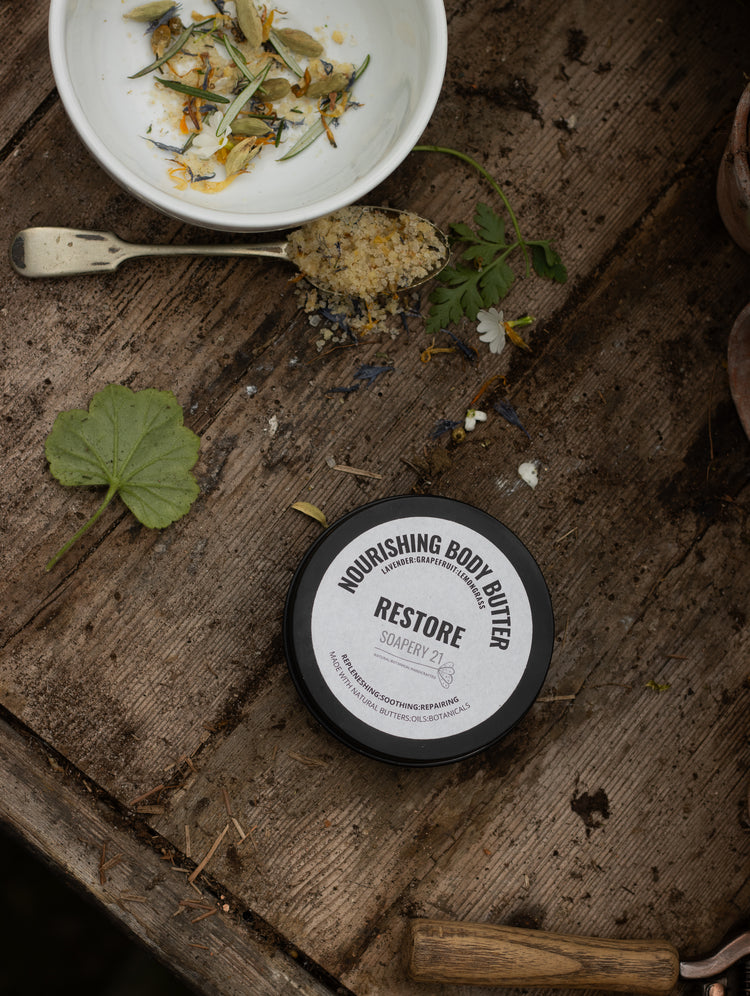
{"x": 64, "y": 252}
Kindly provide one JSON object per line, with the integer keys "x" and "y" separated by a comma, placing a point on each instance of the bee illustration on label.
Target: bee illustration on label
{"x": 445, "y": 675}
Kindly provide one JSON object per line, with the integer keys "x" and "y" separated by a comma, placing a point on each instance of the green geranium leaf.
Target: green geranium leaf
{"x": 547, "y": 263}
{"x": 135, "y": 445}
{"x": 489, "y": 226}
{"x": 463, "y": 232}
{"x": 495, "y": 282}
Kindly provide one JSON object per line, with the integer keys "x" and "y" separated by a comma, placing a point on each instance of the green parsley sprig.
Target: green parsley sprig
{"x": 483, "y": 275}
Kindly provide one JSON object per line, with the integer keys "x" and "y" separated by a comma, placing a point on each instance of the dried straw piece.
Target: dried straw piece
{"x": 106, "y": 863}
{"x": 145, "y": 795}
{"x": 111, "y": 862}
{"x": 346, "y": 469}
{"x": 313, "y": 762}
{"x": 102, "y": 859}
{"x": 227, "y": 803}
{"x": 211, "y": 851}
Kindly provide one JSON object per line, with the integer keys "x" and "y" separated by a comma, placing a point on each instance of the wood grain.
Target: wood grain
{"x": 153, "y": 662}
{"x": 114, "y": 861}
{"x": 25, "y": 75}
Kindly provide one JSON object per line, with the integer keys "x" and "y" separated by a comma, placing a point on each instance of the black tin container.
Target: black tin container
{"x": 418, "y": 630}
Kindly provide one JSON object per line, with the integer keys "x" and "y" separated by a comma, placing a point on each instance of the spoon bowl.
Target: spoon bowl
{"x": 64, "y": 252}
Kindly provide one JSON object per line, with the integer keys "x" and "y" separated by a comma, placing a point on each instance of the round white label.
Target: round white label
{"x": 421, "y": 627}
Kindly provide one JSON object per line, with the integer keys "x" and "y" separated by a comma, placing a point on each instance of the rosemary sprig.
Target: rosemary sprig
{"x": 285, "y": 55}
{"x": 318, "y": 127}
{"x": 483, "y": 276}
{"x": 181, "y": 40}
{"x": 192, "y": 91}
{"x": 237, "y": 58}
{"x": 240, "y": 100}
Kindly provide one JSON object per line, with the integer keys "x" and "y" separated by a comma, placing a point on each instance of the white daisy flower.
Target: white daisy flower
{"x": 491, "y": 329}
{"x": 473, "y": 416}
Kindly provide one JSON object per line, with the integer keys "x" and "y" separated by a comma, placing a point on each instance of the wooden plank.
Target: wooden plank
{"x": 654, "y": 536}
{"x": 132, "y": 875}
{"x": 155, "y": 659}
{"x": 101, "y": 339}
{"x": 26, "y": 77}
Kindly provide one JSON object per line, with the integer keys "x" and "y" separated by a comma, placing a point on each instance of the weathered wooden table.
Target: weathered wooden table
{"x": 148, "y": 721}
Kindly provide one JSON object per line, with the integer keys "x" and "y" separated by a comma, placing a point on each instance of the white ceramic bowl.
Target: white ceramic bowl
{"x": 94, "y": 50}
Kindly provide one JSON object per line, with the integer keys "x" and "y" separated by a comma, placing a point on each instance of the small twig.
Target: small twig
{"x": 182, "y": 759}
{"x": 188, "y": 846}
{"x": 565, "y": 634}
{"x": 238, "y": 828}
{"x": 354, "y": 470}
{"x": 203, "y": 916}
{"x": 249, "y": 836}
{"x": 565, "y": 535}
{"x": 211, "y": 851}
{"x": 227, "y": 803}
{"x": 102, "y": 860}
{"x": 145, "y": 795}
{"x": 111, "y": 863}
{"x": 313, "y": 762}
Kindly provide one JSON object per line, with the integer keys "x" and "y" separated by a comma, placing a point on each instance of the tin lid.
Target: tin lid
{"x": 418, "y": 630}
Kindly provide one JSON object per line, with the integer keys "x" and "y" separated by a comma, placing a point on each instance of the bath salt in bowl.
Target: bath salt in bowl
{"x": 250, "y": 119}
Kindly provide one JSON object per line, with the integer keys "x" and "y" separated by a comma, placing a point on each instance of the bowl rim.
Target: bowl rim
{"x": 229, "y": 221}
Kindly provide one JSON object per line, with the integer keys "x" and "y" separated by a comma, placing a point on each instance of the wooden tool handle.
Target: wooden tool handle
{"x": 483, "y": 954}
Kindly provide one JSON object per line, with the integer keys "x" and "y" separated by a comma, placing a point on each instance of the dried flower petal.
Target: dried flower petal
{"x": 312, "y": 510}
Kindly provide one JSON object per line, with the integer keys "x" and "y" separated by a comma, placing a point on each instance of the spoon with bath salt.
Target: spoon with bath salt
{"x": 357, "y": 251}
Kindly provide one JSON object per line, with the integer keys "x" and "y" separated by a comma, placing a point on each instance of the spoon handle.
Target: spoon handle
{"x": 61, "y": 252}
